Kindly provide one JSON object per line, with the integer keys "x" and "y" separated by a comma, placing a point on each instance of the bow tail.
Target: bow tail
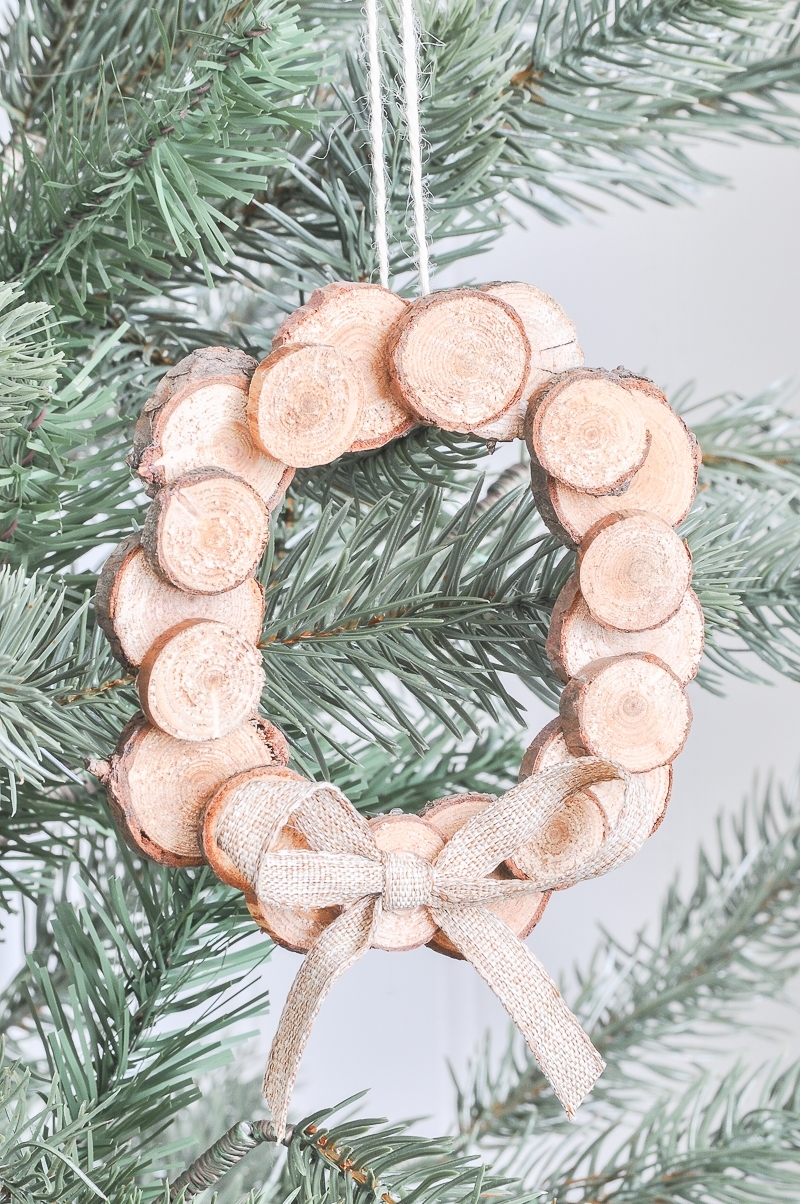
{"x": 566, "y": 1056}
{"x": 337, "y": 948}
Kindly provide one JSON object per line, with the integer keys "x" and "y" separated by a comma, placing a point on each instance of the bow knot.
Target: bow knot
{"x": 407, "y": 881}
{"x": 343, "y": 867}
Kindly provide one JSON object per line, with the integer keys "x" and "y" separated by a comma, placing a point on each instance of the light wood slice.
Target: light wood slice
{"x": 158, "y": 786}
{"x": 549, "y": 748}
{"x": 631, "y": 709}
{"x": 356, "y": 318}
{"x": 521, "y": 914}
{"x": 205, "y": 533}
{"x": 586, "y": 430}
{"x": 575, "y": 639}
{"x": 633, "y": 571}
{"x": 412, "y": 927}
{"x": 134, "y": 606}
{"x": 554, "y": 348}
{"x": 200, "y": 681}
{"x": 306, "y": 404}
{"x": 664, "y": 485}
{"x": 458, "y": 359}
{"x": 240, "y": 823}
{"x": 197, "y": 418}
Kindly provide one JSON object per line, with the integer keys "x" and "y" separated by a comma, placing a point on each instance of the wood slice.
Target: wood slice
{"x": 197, "y": 418}
{"x": 664, "y": 485}
{"x": 554, "y": 348}
{"x": 549, "y": 748}
{"x": 158, "y": 787}
{"x": 249, "y": 797}
{"x": 458, "y": 358}
{"x": 575, "y": 639}
{"x": 407, "y": 929}
{"x": 134, "y": 606}
{"x": 521, "y": 914}
{"x": 306, "y": 404}
{"x": 633, "y": 570}
{"x": 631, "y": 709}
{"x": 205, "y": 533}
{"x": 356, "y": 319}
{"x": 200, "y": 681}
{"x": 586, "y": 430}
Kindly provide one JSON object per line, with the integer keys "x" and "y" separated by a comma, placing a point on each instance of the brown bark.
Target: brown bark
{"x": 197, "y": 418}
{"x": 200, "y": 681}
{"x": 205, "y": 533}
{"x": 633, "y": 570}
{"x": 134, "y": 606}
{"x": 575, "y": 639}
{"x": 306, "y": 404}
{"x": 522, "y": 914}
{"x": 586, "y": 430}
{"x": 631, "y": 709}
{"x": 458, "y": 358}
{"x": 356, "y": 319}
{"x": 158, "y": 787}
{"x": 664, "y": 485}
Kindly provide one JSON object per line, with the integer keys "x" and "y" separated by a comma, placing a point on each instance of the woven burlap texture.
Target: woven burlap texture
{"x": 344, "y": 867}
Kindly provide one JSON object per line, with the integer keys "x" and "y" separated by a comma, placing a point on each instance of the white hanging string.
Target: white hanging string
{"x": 411, "y": 53}
{"x": 376, "y": 141}
{"x": 411, "y": 90}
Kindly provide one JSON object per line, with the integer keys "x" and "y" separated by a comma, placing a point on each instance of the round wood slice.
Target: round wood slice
{"x": 243, "y": 804}
{"x": 356, "y": 318}
{"x": 549, "y": 748}
{"x": 158, "y": 787}
{"x": 554, "y": 348}
{"x": 633, "y": 570}
{"x": 521, "y": 914}
{"x": 407, "y": 929}
{"x": 458, "y": 358}
{"x": 575, "y": 639}
{"x": 205, "y": 533}
{"x": 631, "y": 709}
{"x": 586, "y": 430}
{"x": 134, "y": 606}
{"x": 306, "y": 404}
{"x": 197, "y": 418}
{"x": 200, "y": 681}
{"x": 664, "y": 485}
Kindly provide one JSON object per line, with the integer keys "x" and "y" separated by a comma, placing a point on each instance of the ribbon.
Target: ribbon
{"x": 343, "y": 867}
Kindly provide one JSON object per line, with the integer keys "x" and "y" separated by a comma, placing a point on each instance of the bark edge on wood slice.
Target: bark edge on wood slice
{"x": 134, "y": 605}
{"x": 356, "y": 318}
{"x": 585, "y": 429}
{"x": 521, "y": 914}
{"x": 306, "y": 403}
{"x": 200, "y": 681}
{"x": 206, "y": 532}
{"x": 246, "y": 796}
{"x": 549, "y": 748}
{"x": 634, "y": 570}
{"x": 400, "y": 930}
{"x": 157, "y": 787}
{"x": 664, "y": 485}
{"x": 554, "y": 348}
{"x": 458, "y": 358}
{"x": 631, "y": 709}
{"x": 575, "y": 639}
{"x": 197, "y": 418}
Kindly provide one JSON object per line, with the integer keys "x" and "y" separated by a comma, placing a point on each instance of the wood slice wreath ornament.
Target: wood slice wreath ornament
{"x": 201, "y": 777}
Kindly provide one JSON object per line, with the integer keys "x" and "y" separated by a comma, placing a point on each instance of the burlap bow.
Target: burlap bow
{"x": 344, "y": 867}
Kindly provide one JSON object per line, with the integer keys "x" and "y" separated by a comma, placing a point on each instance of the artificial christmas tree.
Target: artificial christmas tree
{"x": 170, "y": 163}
